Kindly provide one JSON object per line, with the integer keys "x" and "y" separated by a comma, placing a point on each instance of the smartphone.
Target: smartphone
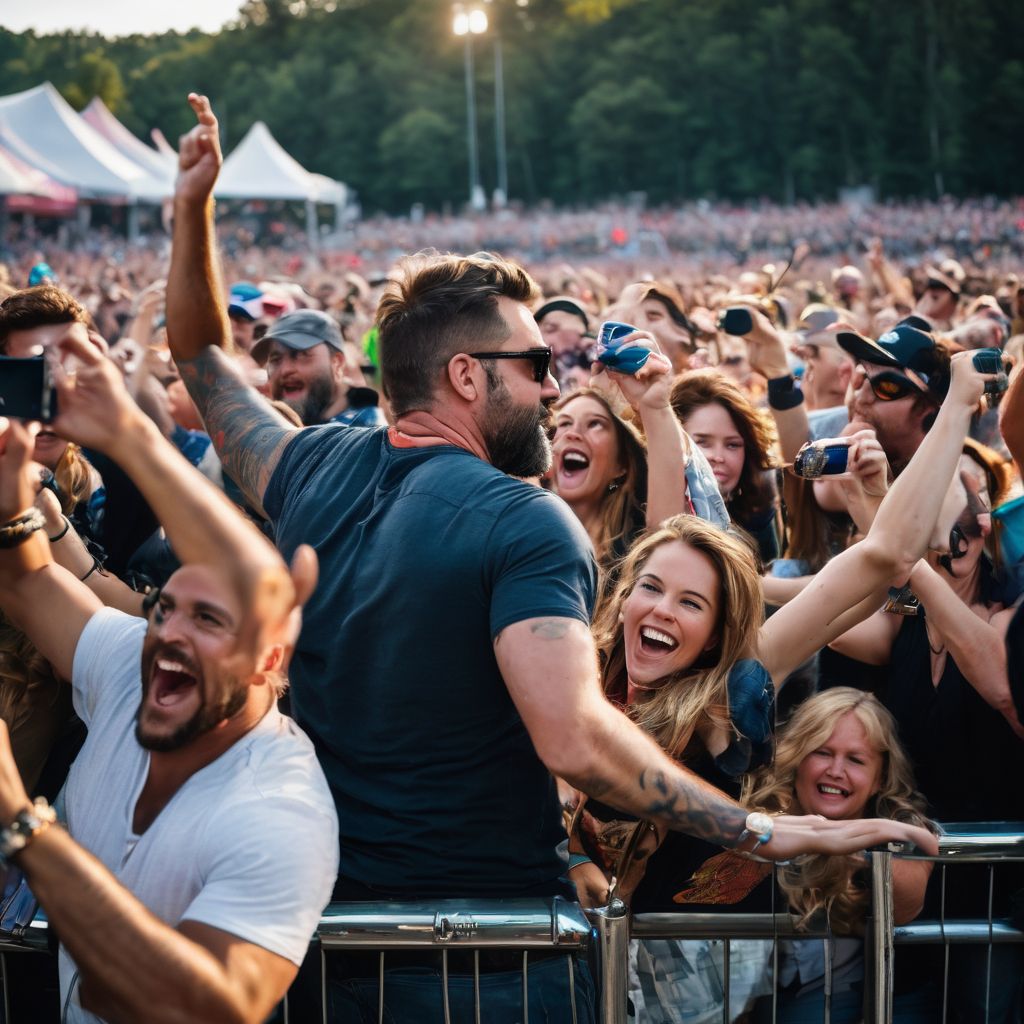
{"x": 736, "y": 320}
{"x": 990, "y": 360}
{"x": 26, "y": 389}
{"x": 821, "y": 458}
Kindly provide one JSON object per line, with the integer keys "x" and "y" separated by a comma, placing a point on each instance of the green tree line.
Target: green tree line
{"x": 726, "y": 99}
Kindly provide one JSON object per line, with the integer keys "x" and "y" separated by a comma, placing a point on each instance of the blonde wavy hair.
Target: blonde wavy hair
{"x": 821, "y": 881}
{"x": 698, "y": 693}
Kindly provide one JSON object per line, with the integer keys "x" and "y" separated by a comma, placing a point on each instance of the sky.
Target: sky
{"x": 117, "y": 17}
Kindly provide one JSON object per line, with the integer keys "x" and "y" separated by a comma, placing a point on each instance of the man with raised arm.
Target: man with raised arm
{"x": 446, "y": 667}
{"x": 179, "y": 891}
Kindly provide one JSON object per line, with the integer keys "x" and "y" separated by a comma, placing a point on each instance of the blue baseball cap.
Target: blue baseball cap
{"x": 245, "y": 301}
{"x": 905, "y": 347}
{"x": 40, "y": 274}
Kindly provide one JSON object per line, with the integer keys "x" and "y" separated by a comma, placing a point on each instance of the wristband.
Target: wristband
{"x": 783, "y": 393}
{"x": 21, "y": 527}
{"x": 60, "y": 536}
{"x": 27, "y": 824}
{"x": 576, "y": 859}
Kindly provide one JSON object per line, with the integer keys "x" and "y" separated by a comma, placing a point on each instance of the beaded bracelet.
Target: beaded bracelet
{"x": 21, "y": 528}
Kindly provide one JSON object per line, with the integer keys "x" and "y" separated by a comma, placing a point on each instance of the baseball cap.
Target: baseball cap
{"x": 564, "y": 304}
{"x": 906, "y": 347}
{"x": 948, "y": 274}
{"x": 814, "y": 322}
{"x": 245, "y": 301}
{"x": 303, "y": 329}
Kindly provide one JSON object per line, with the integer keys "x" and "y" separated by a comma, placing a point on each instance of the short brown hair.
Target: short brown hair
{"x": 441, "y": 305}
{"x": 38, "y": 307}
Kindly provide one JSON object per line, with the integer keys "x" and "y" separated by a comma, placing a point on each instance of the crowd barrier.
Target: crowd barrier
{"x": 602, "y": 935}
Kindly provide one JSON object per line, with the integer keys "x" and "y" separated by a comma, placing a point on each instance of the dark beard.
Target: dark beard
{"x": 207, "y": 716}
{"x": 318, "y": 398}
{"x": 516, "y": 436}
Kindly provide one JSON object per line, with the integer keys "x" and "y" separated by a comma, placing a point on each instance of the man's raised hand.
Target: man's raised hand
{"x": 199, "y": 156}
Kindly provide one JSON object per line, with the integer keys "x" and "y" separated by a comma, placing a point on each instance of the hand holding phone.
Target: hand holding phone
{"x": 26, "y": 389}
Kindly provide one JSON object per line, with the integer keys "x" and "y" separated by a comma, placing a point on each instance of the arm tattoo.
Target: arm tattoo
{"x": 247, "y": 433}
{"x": 550, "y": 629}
{"x": 694, "y": 810}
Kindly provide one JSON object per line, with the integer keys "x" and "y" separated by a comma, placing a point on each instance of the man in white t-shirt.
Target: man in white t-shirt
{"x": 201, "y": 842}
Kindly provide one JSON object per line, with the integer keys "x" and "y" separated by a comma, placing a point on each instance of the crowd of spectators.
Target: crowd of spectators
{"x": 373, "y": 580}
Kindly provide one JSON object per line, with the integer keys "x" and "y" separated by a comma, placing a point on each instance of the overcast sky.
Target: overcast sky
{"x": 117, "y": 17}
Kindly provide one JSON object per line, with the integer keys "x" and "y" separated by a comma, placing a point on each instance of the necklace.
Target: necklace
{"x": 928, "y": 636}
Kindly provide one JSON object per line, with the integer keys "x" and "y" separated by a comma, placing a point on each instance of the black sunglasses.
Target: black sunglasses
{"x": 539, "y": 357}
{"x": 889, "y": 387}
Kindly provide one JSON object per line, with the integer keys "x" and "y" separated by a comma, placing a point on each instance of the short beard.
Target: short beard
{"x": 206, "y": 718}
{"x": 319, "y": 397}
{"x": 516, "y": 436}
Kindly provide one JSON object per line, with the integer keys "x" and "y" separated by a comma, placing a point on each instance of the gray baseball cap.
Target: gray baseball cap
{"x": 305, "y": 328}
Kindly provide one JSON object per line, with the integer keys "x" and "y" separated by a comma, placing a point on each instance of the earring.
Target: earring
{"x": 613, "y": 486}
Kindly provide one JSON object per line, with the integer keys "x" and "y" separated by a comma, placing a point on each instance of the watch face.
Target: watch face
{"x": 760, "y": 825}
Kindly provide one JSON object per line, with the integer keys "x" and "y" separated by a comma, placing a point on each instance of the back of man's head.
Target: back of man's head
{"x": 438, "y": 306}
{"x": 38, "y": 307}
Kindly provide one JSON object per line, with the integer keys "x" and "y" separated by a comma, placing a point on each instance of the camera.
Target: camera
{"x": 26, "y": 389}
{"x": 736, "y": 320}
{"x": 609, "y": 338}
{"x": 821, "y": 458}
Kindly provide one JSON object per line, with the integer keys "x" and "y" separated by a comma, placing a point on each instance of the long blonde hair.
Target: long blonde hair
{"x": 822, "y": 881}
{"x": 698, "y": 693}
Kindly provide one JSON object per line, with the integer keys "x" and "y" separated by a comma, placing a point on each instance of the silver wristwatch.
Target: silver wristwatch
{"x": 760, "y": 826}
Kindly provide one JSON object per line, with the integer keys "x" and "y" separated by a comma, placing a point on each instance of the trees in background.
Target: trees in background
{"x": 677, "y": 98}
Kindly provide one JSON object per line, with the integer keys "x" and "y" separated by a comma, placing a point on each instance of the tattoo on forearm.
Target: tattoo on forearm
{"x": 693, "y": 810}
{"x": 247, "y": 433}
{"x": 550, "y": 629}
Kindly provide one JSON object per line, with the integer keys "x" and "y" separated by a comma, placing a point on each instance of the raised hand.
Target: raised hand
{"x": 651, "y": 384}
{"x": 199, "y": 155}
{"x": 967, "y": 385}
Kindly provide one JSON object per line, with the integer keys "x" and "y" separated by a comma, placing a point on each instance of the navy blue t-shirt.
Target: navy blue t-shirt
{"x": 426, "y": 555}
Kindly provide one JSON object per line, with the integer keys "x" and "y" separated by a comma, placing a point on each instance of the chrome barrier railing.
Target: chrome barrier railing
{"x": 604, "y": 933}
{"x": 979, "y": 843}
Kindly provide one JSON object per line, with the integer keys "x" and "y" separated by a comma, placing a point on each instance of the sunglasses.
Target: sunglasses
{"x": 888, "y": 386}
{"x": 539, "y": 357}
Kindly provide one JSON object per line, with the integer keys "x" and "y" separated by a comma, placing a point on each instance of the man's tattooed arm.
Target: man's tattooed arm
{"x": 248, "y": 434}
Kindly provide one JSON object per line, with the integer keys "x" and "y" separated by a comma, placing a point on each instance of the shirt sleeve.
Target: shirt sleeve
{"x": 543, "y": 562}
{"x": 299, "y": 463}
{"x": 107, "y": 666}
{"x": 270, "y": 873}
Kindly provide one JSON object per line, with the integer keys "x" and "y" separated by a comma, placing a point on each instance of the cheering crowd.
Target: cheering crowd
{"x": 419, "y": 586}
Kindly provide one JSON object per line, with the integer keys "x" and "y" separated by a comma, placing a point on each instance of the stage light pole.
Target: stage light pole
{"x": 469, "y": 22}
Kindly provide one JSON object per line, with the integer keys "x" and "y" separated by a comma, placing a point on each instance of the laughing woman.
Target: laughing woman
{"x": 686, "y": 653}
{"x": 616, "y": 483}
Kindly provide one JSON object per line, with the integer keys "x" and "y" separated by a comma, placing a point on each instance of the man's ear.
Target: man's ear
{"x": 464, "y": 376}
{"x": 272, "y": 659}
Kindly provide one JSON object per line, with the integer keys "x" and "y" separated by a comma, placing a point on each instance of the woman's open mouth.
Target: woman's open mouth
{"x": 654, "y": 641}
{"x": 574, "y": 465}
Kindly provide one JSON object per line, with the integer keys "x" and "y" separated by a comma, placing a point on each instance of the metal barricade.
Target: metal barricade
{"x": 989, "y": 843}
{"x": 442, "y": 925}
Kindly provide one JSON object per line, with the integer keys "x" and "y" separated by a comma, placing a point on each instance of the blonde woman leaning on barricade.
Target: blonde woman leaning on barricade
{"x": 839, "y": 756}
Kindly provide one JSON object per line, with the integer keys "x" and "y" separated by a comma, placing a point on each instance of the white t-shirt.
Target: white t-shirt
{"x": 249, "y": 844}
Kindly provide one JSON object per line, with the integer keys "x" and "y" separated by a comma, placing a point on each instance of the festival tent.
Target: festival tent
{"x": 157, "y": 164}
{"x": 259, "y": 168}
{"x": 42, "y": 129}
{"x": 28, "y": 190}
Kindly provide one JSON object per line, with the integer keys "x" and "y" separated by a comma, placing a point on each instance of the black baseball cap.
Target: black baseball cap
{"x": 563, "y": 304}
{"x": 905, "y": 347}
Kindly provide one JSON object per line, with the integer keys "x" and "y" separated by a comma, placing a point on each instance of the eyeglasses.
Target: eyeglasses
{"x": 888, "y": 386}
{"x": 539, "y": 357}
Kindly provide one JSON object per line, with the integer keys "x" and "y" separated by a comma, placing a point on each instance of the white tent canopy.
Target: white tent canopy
{"x": 157, "y": 164}
{"x": 259, "y": 168}
{"x": 18, "y": 178}
{"x": 40, "y": 127}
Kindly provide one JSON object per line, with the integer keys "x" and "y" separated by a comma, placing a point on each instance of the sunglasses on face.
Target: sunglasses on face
{"x": 888, "y": 386}
{"x": 539, "y": 357}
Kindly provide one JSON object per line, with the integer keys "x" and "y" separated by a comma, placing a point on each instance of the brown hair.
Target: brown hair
{"x": 39, "y": 307}
{"x": 699, "y": 691}
{"x": 441, "y": 305}
{"x": 820, "y": 881}
{"x": 622, "y": 507}
{"x": 694, "y": 389}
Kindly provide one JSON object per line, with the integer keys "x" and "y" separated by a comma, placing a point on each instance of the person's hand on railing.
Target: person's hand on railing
{"x": 591, "y": 885}
{"x": 797, "y": 834}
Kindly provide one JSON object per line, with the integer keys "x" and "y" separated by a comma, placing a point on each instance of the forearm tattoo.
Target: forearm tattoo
{"x": 691, "y": 808}
{"x": 247, "y": 433}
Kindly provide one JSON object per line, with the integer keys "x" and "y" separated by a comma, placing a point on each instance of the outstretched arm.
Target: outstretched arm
{"x": 897, "y": 539}
{"x": 550, "y": 668}
{"x": 248, "y": 434}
